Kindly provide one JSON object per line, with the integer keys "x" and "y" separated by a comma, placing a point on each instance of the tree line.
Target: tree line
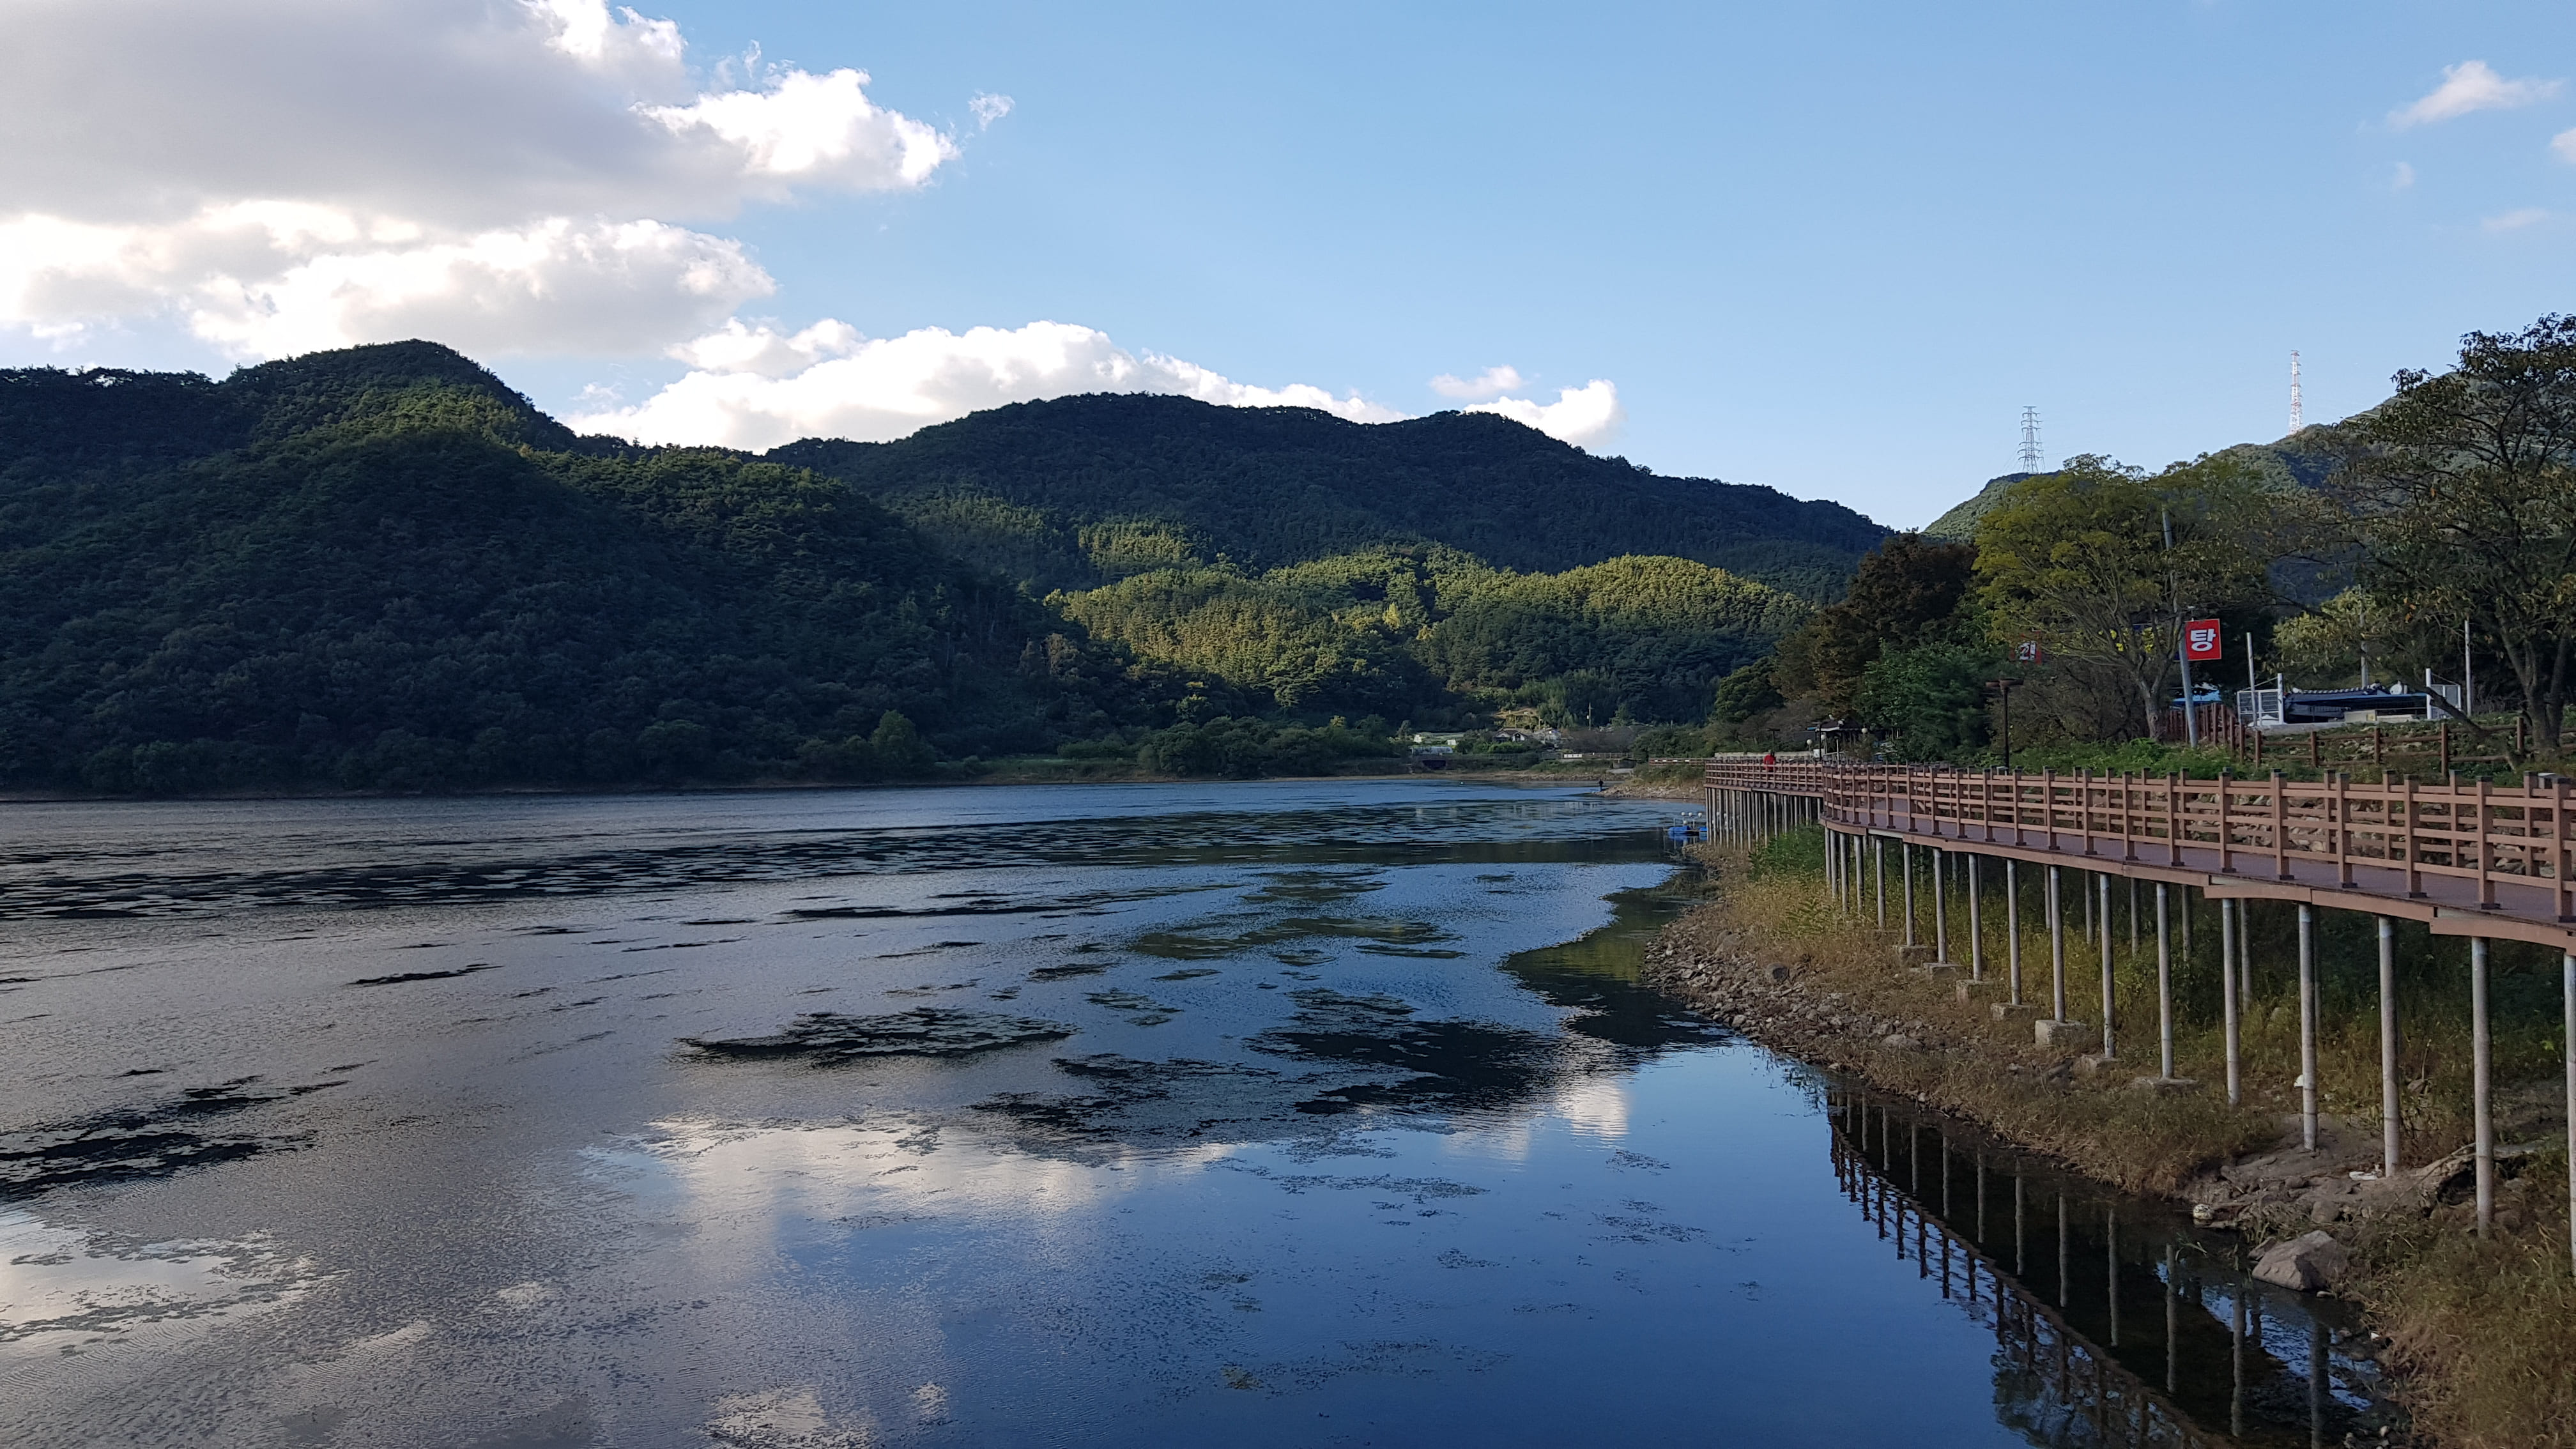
{"x": 2443, "y": 518}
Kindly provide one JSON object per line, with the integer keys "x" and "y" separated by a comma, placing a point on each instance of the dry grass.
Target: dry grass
{"x": 2484, "y": 1332}
{"x": 2138, "y": 1140}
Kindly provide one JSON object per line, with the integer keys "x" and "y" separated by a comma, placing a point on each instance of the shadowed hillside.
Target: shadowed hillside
{"x": 1028, "y": 489}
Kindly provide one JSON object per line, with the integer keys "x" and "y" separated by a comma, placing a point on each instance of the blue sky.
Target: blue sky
{"x": 1830, "y": 248}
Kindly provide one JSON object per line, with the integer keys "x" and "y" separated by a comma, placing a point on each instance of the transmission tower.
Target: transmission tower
{"x": 2031, "y": 457}
{"x": 2298, "y": 408}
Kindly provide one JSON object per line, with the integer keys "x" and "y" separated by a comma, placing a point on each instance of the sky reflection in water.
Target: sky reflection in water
{"x": 1325, "y": 1138}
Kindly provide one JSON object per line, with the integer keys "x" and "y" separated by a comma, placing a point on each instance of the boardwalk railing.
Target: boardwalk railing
{"x": 2510, "y": 851}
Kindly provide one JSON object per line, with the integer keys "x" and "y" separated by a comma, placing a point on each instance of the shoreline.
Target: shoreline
{"x": 997, "y": 778}
{"x": 2478, "y": 1330}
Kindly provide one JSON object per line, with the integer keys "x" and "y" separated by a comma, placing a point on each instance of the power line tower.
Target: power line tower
{"x": 2298, "y": 408}
{"x": 2031, "y": 458}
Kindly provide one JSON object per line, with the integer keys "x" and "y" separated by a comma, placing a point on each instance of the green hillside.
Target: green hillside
{"x": 380, "y": 568}
{"x": 1034, "y": 489}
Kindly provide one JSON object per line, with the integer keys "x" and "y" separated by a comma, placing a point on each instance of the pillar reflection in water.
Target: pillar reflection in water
{"x": 2073, "y": 1370}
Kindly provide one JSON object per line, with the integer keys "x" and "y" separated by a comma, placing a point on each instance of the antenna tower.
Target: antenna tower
{"x": 2031, "y": 457}
{"x": 2298, "y": 408}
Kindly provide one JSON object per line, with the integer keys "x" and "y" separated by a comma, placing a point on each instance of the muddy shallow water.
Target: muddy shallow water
{"x": 1287, "y": 1114}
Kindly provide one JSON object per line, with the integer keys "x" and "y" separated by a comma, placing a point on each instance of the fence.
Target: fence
{"x": 2472, "y": 836}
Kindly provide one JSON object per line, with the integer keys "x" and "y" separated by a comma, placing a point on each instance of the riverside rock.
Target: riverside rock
{"x": 2305, "y": 1263}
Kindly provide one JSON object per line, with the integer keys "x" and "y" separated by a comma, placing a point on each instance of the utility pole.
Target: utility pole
{"x": 2003, "y": 696}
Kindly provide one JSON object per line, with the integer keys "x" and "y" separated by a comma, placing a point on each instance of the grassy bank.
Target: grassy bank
{"x": 2482, "y": 1332}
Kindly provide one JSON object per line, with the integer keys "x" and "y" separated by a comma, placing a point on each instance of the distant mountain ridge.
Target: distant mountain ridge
{"x": 1014, "y": 489}
{"x": 2299, "y": 460}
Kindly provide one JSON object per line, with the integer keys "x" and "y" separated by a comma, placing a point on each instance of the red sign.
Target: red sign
{"x": 2200, "y": 639}
{"x": 2029, "y": 652}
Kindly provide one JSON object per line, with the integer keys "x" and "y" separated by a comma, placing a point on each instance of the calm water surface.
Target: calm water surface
{"x": 1293, "y": 1114}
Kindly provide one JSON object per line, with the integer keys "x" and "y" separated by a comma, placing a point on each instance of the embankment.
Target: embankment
{"x": 2482, "y": 1331}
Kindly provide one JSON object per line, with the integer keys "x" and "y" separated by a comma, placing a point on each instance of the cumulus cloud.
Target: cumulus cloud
{"x": 2472, "y": 86}
{"x": 1585, "y": 416}
{"x": 815, "y": 128}
{"x": 2564, "y": 143}
{"x": 756, "y": 387}
{"x": 2516, "y": 220}
{"x": 989, "y": 108}
{"x": 508, "y": 175}
{"x": 1492, "y": 382}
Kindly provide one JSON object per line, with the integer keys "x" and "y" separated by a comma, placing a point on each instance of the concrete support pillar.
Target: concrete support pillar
{"x": 2567, "y": 1049}
{"x": 1905, "y": 852}
{"x": 1940, "y": 907}
{"x": 2308, "y": 1026}
{"x": 2056, "y": 945}
{"x": 2482, "y": 1082}
{"x": 2102, "y": 890}
{"x": 2388, "y": 1101}
{"x": 1878, "y": 855}
{"x": 1976, "y": 925}
{"x": 2230, "y": 967}
{"x": 2245, "y": 955}
{"x": 2164, "y": 984}
{"x": 2012, "y": 928}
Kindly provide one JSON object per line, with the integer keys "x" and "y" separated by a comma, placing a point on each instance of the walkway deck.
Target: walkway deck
{"x": 2467, "y": 859}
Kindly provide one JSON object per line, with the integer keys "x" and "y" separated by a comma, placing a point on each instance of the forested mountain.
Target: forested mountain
{"x": 1071, "y": 492}
{"x": 380, "y": 568}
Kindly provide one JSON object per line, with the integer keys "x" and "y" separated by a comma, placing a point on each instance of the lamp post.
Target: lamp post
{"x": 2003, "y": 689}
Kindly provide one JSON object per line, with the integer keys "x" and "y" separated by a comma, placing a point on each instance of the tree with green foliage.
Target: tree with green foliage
{"x": 2077, "y": 562}
{"x": 2462, "y": 490}
{"x": 1907, "y": 590}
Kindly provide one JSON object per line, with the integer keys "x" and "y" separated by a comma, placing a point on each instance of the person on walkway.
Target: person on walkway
{"x": 1769, "y": 760}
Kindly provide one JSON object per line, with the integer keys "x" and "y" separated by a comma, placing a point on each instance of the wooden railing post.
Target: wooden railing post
{"x": 2084, "y": 805}
{"x": 2048, "y": 805}
{"x": 2562, "y": 855}
{"x": 2226, "y": 825}
{"x": 2486, "y": 883}
{"x": 2341, "y": 840}
{"x": 2173, "y": 817}
{"x": 2280, "y": 830}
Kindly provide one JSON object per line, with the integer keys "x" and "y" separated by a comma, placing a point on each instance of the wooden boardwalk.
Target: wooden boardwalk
{"x": 2466, "y": 859}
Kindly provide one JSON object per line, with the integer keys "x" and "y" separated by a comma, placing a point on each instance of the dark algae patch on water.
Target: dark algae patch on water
{"x": 399, "y": 977}
{"x": 166, "y": 1137}
{"x": 824, "y": 1037}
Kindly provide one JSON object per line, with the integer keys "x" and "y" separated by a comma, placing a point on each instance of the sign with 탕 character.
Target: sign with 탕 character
{"x": 2200, "y": 639}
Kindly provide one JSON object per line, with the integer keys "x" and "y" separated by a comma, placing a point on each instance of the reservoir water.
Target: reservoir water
{"x": 1263, "y": 1114}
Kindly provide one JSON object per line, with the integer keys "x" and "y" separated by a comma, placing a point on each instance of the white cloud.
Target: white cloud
{"x": 2404, "y": 177}
{"x": 755, "y": 387}
{"x": 989, "y": 108}
{"x": 816, "y": 128}
{"x": 2471, "y": 86}
{"x": 503, "y": 175}
{"x": 1585, "y": 416}
{"x": 273, "y": 279}
{"x": 2516, "y": 220}
{"x": 2564, "y": 143}
{"x": 1492, "y": 382}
